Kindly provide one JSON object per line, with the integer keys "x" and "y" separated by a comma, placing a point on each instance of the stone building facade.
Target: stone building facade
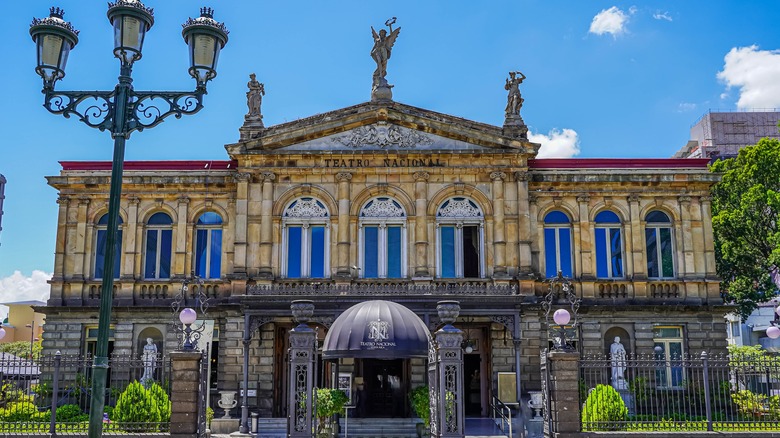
{"x": 385, "y": 200}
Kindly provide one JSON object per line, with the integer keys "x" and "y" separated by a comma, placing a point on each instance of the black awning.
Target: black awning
{"x": 379, "y": 330}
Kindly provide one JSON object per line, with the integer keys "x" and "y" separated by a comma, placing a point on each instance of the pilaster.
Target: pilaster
{"x": 524, "y": 224}
{"x": 240, "y": 227}
{"x": 79, "y": 254}
{"x": 343, "y": 240}
{"x": 266, "y": 226}
{"x": 586, "y": 238}
{"x": 637, "y": 243}
{"x": 499, "y": 239}
{"x": 421, "y": 224}
{"x": 179, "y": 261}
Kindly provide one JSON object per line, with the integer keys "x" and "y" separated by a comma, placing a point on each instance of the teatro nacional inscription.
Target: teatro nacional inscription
{"x": 384, "y": 162}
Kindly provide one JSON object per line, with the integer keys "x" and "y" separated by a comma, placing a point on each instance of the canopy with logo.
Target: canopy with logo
{"x": 377, "y": 330}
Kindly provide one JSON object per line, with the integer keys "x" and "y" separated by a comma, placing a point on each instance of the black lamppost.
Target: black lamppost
{"x": 121, "y": 111}
{"x": 560, "y": 292}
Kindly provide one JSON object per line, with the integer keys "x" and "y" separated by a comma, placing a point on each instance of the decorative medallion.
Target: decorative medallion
{"x": 306, "y": 207}
{"x": 382, "y": 207}
{"x": 383, "y": 136}
{"x": 459, "y": 207}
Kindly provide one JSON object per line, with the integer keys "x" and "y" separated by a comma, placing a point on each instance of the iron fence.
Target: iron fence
{"x": 686, "y": 393}
{"x": 52, "y": 394}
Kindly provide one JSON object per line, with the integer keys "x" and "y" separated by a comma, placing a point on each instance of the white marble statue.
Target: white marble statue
{"x": 617, "y": 355}
{"x": 149, "y": 357}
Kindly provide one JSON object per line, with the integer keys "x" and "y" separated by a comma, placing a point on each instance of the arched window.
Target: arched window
{"x": 100, "y": 246}
{"x": 609, "y": 246}
{"x": 383, "y": 239}
{"x": 658, "y": 240}
{"x": 208, "y": 245}
{"x": 460, "y": 222}
{"x": 557, "y": 244}
{"x": 157, "y": 256}
{"x": 306, "y": 248}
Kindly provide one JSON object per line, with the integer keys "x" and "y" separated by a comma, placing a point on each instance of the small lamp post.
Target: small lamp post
{"x": 561, "y": 292}
{"x": 31, "y": 326}
{"x": 188, "y": 316}
{"x": 774, "y": 331}
{"x": 188, "y": 336}
{"x": 121, "y": 111}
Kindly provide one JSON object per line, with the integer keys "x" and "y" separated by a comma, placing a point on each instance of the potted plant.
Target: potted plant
{"x": 329, "y": 403}
{"x": 421, "y": 404}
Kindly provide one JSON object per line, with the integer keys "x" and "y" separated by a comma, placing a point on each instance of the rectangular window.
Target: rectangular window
{"x": 371, "y": 252}
{"x": 609, "y": 257}
{"x": 470, "y": 251}
{"x": 394, "y": 252}
{"x": 215, "y": 260}
{"x": 447, "y": 251}
{"x": 652, "y": 254}
{"x": 208, "y": 253}
{"x": 667, "y": 264}
{"x": 460, "y": 251}
{"x": 306, "y": 251}
{"x": 158, "y": 254}
{"x": 317, "y": 256}
{"x": 90, "y": 340}
{"x": 294, "y": 239}
{"x": 660, "y": 258}
{"x": 668, "y": 350}
{"x": 100, "y": 250}
{"x": 201, "y": 254}
{"x": 557, "y": 252}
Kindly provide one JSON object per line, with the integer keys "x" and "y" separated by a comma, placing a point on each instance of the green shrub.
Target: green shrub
{"x": 163, "y": 402}
{"x": 137, "y": 410}
{"x": 330, "y": 402}
{"x": 602, "y": 409}
{"x": 69, "y": 414}
{"x": 421, "y": 403}
{"x": 209, "y": 416}
{"x": 23, "y": 411}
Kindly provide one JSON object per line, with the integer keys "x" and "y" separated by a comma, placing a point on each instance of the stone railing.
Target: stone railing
{"x": 613, "y": 289}
{"x": 664, "y": 289}
{"x": 480, "y": 288}
{"x": 156, "y": 290}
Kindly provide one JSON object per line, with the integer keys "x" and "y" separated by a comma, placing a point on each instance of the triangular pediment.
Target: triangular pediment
{"x": 386, "y": 126}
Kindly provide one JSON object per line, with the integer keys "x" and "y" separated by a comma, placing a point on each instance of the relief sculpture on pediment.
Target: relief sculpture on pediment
{"x": 383, "y": 136}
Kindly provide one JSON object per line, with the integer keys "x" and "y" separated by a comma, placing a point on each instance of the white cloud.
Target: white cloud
{"x": 18, "y": 287}
{"x": 557, "y": 143}
{"x": 662, "y": 16}
{"x": 755, "y": 73}
{"x": 684, "y": 107}
{"x": 612, "y": 21}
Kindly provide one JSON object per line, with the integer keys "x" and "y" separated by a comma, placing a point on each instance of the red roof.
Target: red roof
{"x": 152, "y": 165}
{"x": 617, "y": 163}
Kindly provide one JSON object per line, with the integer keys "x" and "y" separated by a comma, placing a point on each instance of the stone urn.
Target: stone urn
{"x": 536, "y": 403}
{"x": 227, "y": 401}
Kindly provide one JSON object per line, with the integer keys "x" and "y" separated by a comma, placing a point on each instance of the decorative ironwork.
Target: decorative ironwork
{"x": 508, "y": 321}
{"x": 561, "y": 292}
{"x": 185, "y": 334}
{"x": 383, "y": 136}
{"x": 257, "y": 321}
{"x": 303, "y": 342}
{"x": 375, "y": 289}
{"x": 202, "y": 402}
{"x": 306, "y": 207}
{"x": 458, "y": 208}
{"x": 382, "y": 207}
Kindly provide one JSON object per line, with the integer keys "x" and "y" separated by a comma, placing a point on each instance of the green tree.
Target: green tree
{"x": 137, "y": 410}
{"x": 604, "y": 409}
{"x": 22, "y": 349}
{"x": 745, "y": 207}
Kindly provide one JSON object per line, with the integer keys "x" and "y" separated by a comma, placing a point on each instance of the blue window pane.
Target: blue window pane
{"x": 294, "y": 252}
{"x": 201, "y": 239}
{"x": 150, "y": 265}
{"x": 667, "y": 263}
{"x": 370, "y": 252}
{"x": 607, "y": 217}
{"x": 601, "y": 253}
{"x": 104, "y": 220}
{"x": 165, "y": 254}
{"x": 100, "y": 251}
{"x": 652, "y": 254}
{"x": 216, "y": 254}
{"x": 317, "y": 252}
{"x": 117, "y": 252}
{"x": 394, "y": 252}
{"x": 550, "y": 253}
{"x": 159, "y": 219}
{"x": 210, "y": 218}
{"x": 617, "y": 252}
{"x": 556, "y": 217}
{"x": 657, "y": 217}
{"x": 564, "y": 236}
{"x": 447, "y": 252}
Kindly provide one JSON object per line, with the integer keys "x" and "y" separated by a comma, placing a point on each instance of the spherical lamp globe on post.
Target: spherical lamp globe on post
{"x": 2, "y": 332}
{"x": 121, "y": 112}
{"x": 188, "y": 316}
{"x": 773, "y": 332}
{"x": 560, "y": 291}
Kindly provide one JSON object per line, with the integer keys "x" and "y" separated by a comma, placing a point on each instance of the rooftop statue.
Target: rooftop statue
{"x": 514, "y": 100}
{"x": 380, "y": 53}
{"x": 254, "y": 97}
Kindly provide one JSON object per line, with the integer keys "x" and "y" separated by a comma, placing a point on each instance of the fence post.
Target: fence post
{"x": 563, "y": 369}
{"x": 185, "y": 385}
{"x": 706, "y": 376}
{"x": 55, "y": 390}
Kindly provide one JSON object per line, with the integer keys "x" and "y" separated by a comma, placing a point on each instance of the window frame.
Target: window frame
{"x": 159, "y": 229}
{"x": 458, "y": 222}
{"x": 656, "y": 228}
{"x": 556, "y": 228}
{"x": 306, "y": 223}
{"x": 209, "y": 228}
{"x": 99, "y": 227}
{"x": 383, "y": 223}
{"x": 666, "y": 363}
{"x": 607, "y": 227}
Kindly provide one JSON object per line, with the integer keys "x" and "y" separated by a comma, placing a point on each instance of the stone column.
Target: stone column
{"x": 561, "y": 386}
{"x": 499, "y": 240}
{"x": 523, "y": 224}
{"x": 179, "y": 266}
{"x": 709, "y": 239}
{"x": 60, "y": 243}
{"x": 303, "y": 341}
{"x": 686, "y": 237}
{"x": 421, "y": 224}
{"x": 266, "y": 226}
{"x": 586, "y": 239}
{"x": 185, "y": 386}
{"x": 637, "y": 240}
{"x": 342, "y": 261}
{"x": 79, "y": 259}
{"x": 449, "y": 356}
{"x": 240, "y": 228}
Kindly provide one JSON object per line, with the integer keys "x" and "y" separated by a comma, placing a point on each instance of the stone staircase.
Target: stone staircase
{"x": 271, "y": 428}
{"x": 378, "y": 428}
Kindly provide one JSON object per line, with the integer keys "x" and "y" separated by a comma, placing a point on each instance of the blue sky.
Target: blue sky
{"x": 605, "y": 79}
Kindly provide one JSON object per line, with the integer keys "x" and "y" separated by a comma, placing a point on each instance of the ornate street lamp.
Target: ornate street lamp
{"x": 187, "y": 335}
{"x": 561, "y": 292}
{"x": 121, "y": 111}
{"x": 774, "y": 331}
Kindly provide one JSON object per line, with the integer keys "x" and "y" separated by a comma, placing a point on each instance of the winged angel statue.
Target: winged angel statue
{"x": 383, "y": 45}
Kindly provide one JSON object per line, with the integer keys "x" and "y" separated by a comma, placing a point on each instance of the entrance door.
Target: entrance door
{"x": 472, "y": 384}
{"x": 385, "y": 388}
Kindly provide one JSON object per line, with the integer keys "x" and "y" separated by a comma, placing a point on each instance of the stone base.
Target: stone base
{"x": 381, "y": 93}
{"x": 628, "y": 399}
{"x": 223, "y": 426}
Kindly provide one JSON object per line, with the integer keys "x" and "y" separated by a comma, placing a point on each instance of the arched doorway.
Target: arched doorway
{"x": 381, "y": 338}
